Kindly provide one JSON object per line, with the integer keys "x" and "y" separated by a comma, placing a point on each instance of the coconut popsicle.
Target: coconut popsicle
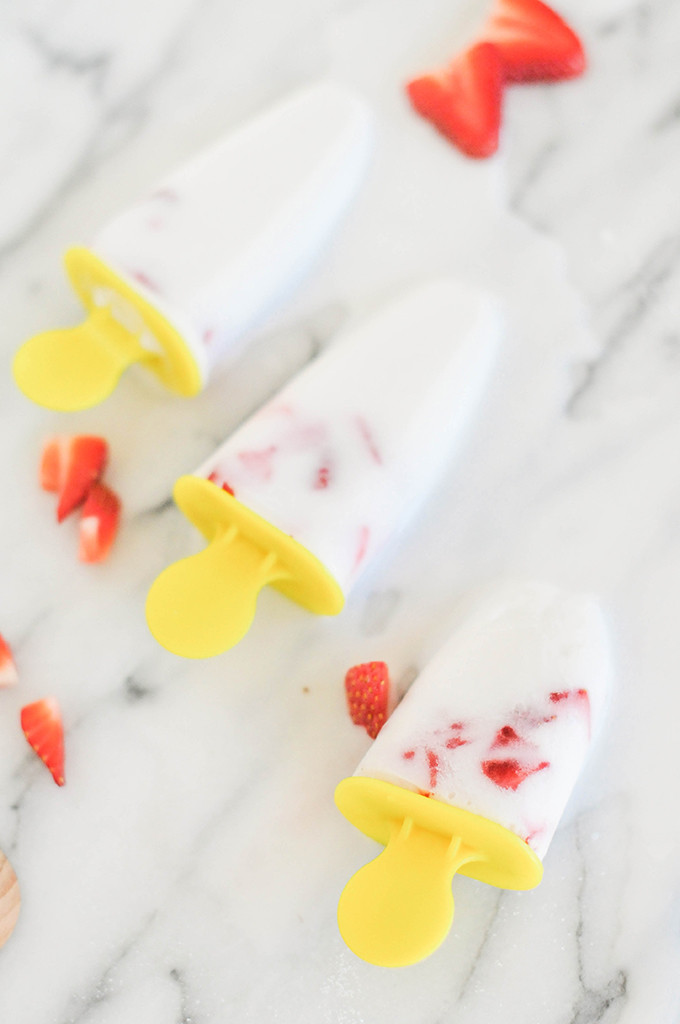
{"x": 175, "y": 281}
{"x": 307, "y": 493}
{"x": 473, "y": 770}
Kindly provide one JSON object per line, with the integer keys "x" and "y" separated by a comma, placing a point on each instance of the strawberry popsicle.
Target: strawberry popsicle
{"x": 175, "y": 281}
{"x": 473, "y": 770}
{"x": 310, "y": 489}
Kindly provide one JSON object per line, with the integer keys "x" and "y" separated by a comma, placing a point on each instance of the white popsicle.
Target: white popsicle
{"x": 474, "y": 768}
{"x": 499, "y": 722}
{"x": 341, "y": 458}
{"x": 177, "y": 280}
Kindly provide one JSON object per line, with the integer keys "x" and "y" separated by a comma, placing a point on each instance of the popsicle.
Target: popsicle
{"x": 474, "y": 768}
{"x": 175, "y": 281}
{"x": 306, "y": 494}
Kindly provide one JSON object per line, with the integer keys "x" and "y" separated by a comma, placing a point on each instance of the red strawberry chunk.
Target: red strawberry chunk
{"x": 44, "y": 731}
{"x": 367, "y": 687}
{"x": 534, "y": 43}
{"x": 84, "y": 462}
{"x": 464, "y": 101}
{"x": 99, "y": 525}
{"x": 8, "y": 670}
{"x": 509, "y": 773}
{"x": 52, "y": 464}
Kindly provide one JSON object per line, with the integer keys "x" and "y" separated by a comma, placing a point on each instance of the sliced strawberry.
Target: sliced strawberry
{"x": 43, "y": 729}
{"x": 367, "y": 687}
{"x": 99, "y": 525}
{"x": 534, "y": 43}
{"x": 8, "y": 670}
{"x": 464, "y": 101}
{"x": 85, "y": 461}
{"x": 52, "y": 464}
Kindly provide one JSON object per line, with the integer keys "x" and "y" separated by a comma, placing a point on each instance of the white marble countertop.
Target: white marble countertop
{"x": 189, "y": 871}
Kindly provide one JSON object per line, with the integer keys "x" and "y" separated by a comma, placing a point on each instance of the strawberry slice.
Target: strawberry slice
{"x": 99, "y": 525}
{"x": 464, "y": 101}
{"x": 367, "y": 687}
{"x": 8, "y": 670}
{"x": 43, "y": 729}
{"x": 73, "y": 464}
{"x": 52, "y": 464}
{"x": 534, "y": 43}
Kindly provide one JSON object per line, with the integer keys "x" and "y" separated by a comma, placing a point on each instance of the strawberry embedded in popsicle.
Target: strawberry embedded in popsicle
{"x": 368, "y": 689}
{"x": 457, "y": 737}
{"x": 369, "y": 440}
{"x": 533, "y": 42}
{"x": 508, "y": 773}
{"x": 464, "y": 101}
{"x": 259, "y": 463}
{"x": 362, "y": 546}
{"x": 99, "y": 525}
{"x": 505, "y": 737}
{"x": 215, "y": 479}
{"x": 322, "y": 478}
{"x": 433, "y": 766}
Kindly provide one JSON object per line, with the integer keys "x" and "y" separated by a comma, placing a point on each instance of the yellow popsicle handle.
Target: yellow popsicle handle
{"x": 77, "y": 367}
{"x": 397, "y": 910}
{"x": 204, "y": 604}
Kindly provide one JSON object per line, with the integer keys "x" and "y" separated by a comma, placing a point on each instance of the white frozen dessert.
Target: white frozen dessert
{"x": 333, "y": 466}
{"x": 500, "y": 720}
{"x": 488, "y": 742}
{"x": 176, "y": 280}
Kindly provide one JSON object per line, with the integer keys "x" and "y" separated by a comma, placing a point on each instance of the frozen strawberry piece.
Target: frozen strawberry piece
{"x": 8, "y": 670}
{"x": 456, "y": 737}
{"x": 464, "y": 101}
{"x": 508, "y": 773}
{"x": 533, "y": 42}
{"x": 505, "y": 737}
{"x": 214, "y": 479}
{"x": 367, "y": 687}
{"x": 43, "y": 728}
{"x": 259, "y": 463}
{"x": 322, "y": 478}
{"x": 84, "y": 459}
{"x": 369, "y": 440}
{"x": 433, "y": 766}
{"x": 362, "y": 546}
{"x": 99, "y": 525}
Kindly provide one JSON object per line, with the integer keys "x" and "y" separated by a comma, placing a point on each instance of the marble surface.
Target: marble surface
{"x": 188, "y": 873}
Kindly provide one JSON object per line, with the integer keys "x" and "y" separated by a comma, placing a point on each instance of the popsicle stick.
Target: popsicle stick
{"x": 204, "y": 604}
{"x": 76, "y": 367}
{"x": 10, "y": 899}
{"x": 398, "y": 908}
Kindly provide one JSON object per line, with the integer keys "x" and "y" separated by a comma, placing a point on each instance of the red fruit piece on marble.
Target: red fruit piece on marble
{"x": 52, "y": 462}
{"x": 368, "y": 687}
{"x": 464, "y": 101}
{"x": 71, "y": 465}
{"x": 99, "y": 525}
{"x": 8, "y": 670}
{"x": 44, "y": 731}
{"x": 533, "y": 42}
